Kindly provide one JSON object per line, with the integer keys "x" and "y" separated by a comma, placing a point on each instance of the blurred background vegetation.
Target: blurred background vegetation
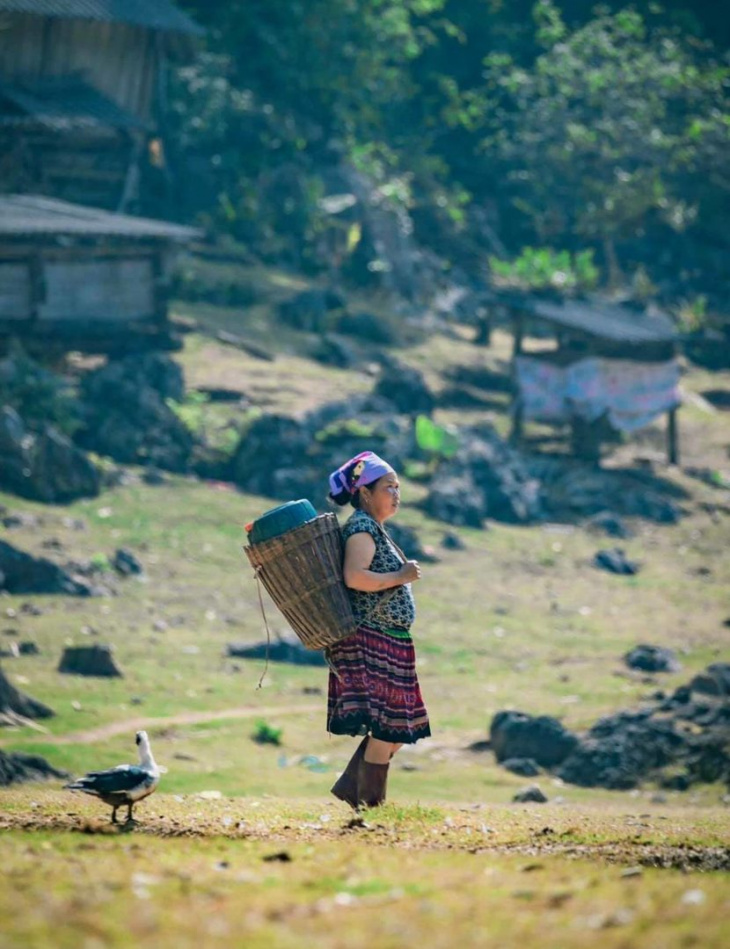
{"x": 491, "y": 129}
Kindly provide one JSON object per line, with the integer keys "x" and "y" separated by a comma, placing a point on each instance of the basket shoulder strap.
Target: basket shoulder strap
{"x": 384, "y": 598}
{"x": 389, "y": 540}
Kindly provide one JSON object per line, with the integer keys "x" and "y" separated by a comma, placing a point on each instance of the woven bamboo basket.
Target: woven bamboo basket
{"x": 302, "y": 572}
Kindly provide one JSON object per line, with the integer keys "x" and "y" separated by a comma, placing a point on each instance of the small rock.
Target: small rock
{"x": 153, "y": 476}
{"x": 652, "y": 659}
{"x": 30, "y": 609}
{"x": 52, "y": 543}
{"x": 616, "y": 561}
{"x": 125, "y": 562}
{"x": 610, "y": 524}
{"x": 452, "y": 541}
{"x": 531, "y": 793}
{"x": 693, "y": 897}
{"x": 715, "y": 680}
{"x": 630, "y": 872}
{"x": 28, "y": 648}
{"x": 527, "y": 767}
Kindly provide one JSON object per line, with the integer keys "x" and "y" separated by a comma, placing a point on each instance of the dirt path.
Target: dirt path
{"x": 103, "y": 732}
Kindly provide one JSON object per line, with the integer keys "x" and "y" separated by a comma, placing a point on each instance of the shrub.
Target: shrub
{"x": 265, "y": 734}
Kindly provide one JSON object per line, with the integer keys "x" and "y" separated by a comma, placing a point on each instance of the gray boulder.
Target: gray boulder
{"x": 519, "y": 735}
{"x": 526, "y": 767}
{"x": 18, "y": 767}
{"x": 715, "y": 680}
{"x": 282, "y": 650}
{"x": 406, "y": 388}
{"x": 311, "y": 310}
{"x": 15, "y": 703}
{"x": 283, "y": 457}
{"x": 23, "y": 573}
{"x": 620, "y": 750}
{"x": 94, "y": 660}
{"x": 486, "y": 478}
{"x": 455, "y": 500}
{"x": 531, "y": 794}
{"x": 126, "y": 563}
{"x": 652, "y": 659}
{"x": 45, "y": 465}
{"x": 616, "y": 561}
{"x": 127, "y": 416}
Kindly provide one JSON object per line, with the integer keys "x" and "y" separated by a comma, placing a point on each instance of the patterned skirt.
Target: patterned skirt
{"x": 376, "y": 687}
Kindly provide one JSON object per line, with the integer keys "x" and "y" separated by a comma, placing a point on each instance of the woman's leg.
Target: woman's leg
{"x": 377, "y": 751}
{"x": 394, "y": 748}
{"x": 372, "y": 772}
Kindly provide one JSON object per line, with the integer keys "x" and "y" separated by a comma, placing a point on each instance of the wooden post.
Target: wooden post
{"x": 37, "y": 283}
{"x": 515, "y": 434}
{"x": 672, "y": 437}
{"x": 518, "y": 324}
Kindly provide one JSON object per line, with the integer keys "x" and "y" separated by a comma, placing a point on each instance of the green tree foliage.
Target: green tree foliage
{"x": 612, "y": 127}
{"x": 543, "y": 268}
{"x": 494, "y": 124}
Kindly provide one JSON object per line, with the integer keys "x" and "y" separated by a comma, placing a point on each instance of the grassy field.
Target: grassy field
{"x": 519, "y": 619}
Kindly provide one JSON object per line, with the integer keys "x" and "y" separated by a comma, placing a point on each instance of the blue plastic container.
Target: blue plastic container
{"x": 281, "y": 519}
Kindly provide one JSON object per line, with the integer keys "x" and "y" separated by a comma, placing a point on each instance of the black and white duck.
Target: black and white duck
{"x": 125, "y": 784}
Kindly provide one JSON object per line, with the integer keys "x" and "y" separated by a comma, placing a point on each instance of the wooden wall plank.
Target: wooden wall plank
{"x": 116, "y": 58}
{"x": 101, "y": 290}
{"x": 15, "y": 291}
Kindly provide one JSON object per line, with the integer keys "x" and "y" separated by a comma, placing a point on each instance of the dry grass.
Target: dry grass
{"x": 276, "y": 873}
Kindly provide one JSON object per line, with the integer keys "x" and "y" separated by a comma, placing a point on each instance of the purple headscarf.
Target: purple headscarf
{"x": 358, "y": 472}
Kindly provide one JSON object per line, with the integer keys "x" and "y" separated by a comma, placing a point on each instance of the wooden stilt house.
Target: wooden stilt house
{"x": 82, "y": 96}
{"x": 83, "y": 278}
{"x": 82, "y": 119}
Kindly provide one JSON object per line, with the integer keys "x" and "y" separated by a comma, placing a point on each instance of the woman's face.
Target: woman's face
{"x": 383, "y": 499}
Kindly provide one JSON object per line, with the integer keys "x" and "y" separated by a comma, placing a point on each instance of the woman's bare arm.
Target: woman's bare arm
{"x": 359, "y": 553}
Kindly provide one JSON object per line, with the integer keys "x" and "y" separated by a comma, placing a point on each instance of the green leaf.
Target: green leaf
{"x": 435, "y": 438}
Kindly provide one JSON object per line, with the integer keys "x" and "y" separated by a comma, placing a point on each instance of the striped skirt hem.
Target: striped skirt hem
{"x": 374, "y": 687}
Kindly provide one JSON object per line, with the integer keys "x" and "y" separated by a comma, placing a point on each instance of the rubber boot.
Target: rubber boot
{"x": 372, "y": 782}
{"x": 345, "y": 787}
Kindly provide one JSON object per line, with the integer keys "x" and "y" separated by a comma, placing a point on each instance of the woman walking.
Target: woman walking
{"x": 373, "y": 686}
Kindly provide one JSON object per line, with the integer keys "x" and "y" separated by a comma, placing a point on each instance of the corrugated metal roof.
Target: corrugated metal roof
{"x": 596, "y": 317}
{"x": 26, "y": 215}
{"x": 609, "y": 321}
{"x": 153, "y": 14}
{"x": 62, "y": 103}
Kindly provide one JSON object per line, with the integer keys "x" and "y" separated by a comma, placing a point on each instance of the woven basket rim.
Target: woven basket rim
{"x": 264, "y": 545}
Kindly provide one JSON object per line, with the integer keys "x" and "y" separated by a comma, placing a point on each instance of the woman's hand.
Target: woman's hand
{"x": 410, "y": 571}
